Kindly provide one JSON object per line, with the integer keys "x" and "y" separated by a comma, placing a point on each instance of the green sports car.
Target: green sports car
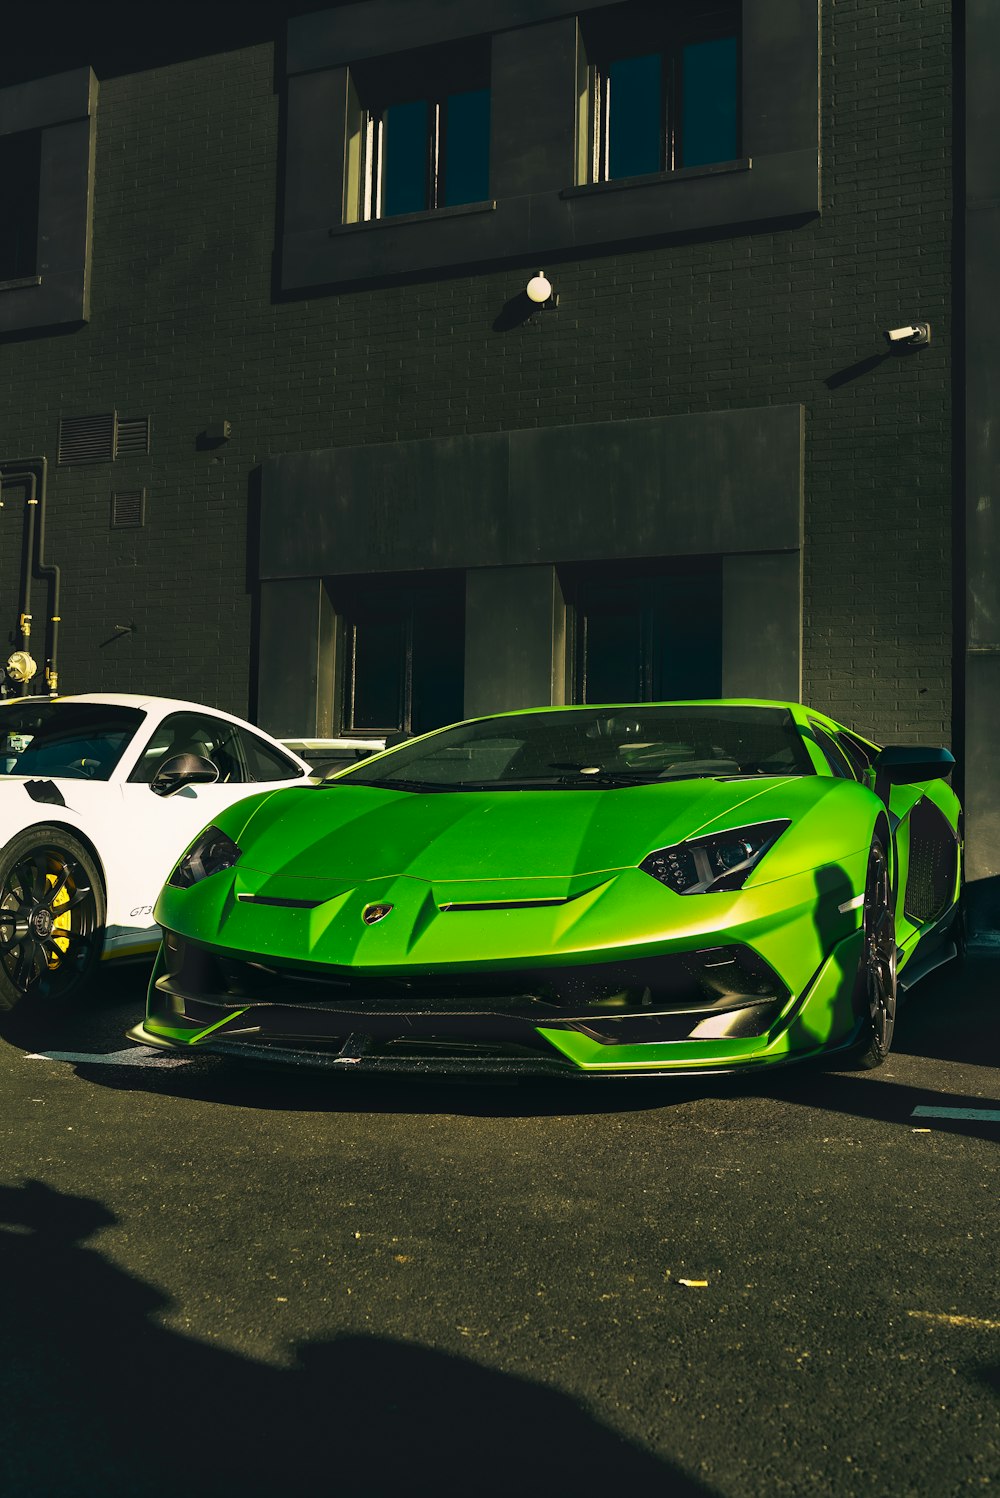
{"x": 650, "y": 889}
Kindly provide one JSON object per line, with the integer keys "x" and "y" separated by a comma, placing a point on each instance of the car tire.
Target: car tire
{"x": 960, "y": 922}
{"x": 52, "y": 912}
{"x": 875, "y": 995}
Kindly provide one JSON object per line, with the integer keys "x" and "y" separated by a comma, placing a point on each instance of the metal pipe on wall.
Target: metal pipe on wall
{"x": 34, "y": 472}
{"x": 49, "y": 569}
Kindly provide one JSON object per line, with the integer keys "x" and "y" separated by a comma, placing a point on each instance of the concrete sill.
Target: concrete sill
{"x": 459, "y": 210}
{"x": 653, "y": 179}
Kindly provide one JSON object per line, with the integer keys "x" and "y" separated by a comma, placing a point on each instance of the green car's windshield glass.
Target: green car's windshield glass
{"x": 82, "y": 740}
{"x": 594, "y": 748}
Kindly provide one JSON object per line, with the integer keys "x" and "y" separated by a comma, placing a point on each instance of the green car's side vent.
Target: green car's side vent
{"x": 930, "y": 882}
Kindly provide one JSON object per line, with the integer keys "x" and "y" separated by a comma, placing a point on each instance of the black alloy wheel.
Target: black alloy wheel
{"x": 875, "y": 990}
{"x": 960, "y": 921}
{"x": 51, "y": 916}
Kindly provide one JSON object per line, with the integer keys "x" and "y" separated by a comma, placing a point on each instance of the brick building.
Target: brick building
{"x": 311, "y": 453}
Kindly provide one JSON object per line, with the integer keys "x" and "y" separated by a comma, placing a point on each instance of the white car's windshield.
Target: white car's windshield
{"x": 82, "y": 740}
{"x": 599, "y": 748}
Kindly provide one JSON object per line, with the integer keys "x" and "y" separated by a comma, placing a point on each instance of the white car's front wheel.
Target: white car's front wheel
{"x": 52, "y": 913}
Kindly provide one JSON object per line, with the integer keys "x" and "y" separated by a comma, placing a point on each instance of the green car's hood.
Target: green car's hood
{"x": 343, "y": 834}
{"x": 500, "y": 877}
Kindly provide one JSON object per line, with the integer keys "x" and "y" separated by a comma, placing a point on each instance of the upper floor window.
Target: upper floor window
{"x": 419, "y": 135}
{"x": 20, "y": 165}
{"x": 658, "y": 88}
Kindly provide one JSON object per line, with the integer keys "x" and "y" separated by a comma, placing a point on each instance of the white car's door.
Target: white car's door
{"x": 156, "y": 829}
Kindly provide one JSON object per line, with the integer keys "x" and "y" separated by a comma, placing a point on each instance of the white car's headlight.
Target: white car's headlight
{"x": 212, "y": 852}
{"x": 719, "y": 862}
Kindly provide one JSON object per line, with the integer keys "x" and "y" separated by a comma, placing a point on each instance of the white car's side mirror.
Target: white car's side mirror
{"x": 182, "y": 770}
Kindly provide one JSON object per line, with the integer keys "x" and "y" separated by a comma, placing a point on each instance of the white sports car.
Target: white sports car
{"x": 99, "y": 797}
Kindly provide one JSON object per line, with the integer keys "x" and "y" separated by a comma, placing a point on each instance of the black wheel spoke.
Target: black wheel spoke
{"x": 65, "y": 874}
{"x": 74, "y": 938}
{"x": 66, "y": 947}
{"x": 38, "y": 866}
{"x": 26, "y": 963}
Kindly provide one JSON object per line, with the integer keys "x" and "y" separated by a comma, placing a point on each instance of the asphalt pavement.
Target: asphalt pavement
{"x": 221, "y": 1280}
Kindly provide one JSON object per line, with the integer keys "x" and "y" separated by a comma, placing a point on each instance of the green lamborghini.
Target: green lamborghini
{"x": 651, "y": 889}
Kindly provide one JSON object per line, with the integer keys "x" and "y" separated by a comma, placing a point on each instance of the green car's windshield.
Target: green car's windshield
{"x": 83, "y": 740}
{"x": 593, "y": 748}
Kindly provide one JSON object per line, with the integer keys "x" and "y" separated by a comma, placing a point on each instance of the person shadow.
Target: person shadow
{"x": 99, "y": 1398}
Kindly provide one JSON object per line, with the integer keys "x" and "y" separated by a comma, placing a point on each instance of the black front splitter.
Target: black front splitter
{"x": 353, "y": 1058}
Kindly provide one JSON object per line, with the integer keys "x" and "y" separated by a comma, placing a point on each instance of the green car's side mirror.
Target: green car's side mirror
{"x": 909, "y": 764}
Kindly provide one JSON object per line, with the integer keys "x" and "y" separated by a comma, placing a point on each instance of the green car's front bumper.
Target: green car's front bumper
{"x": 771, "y": 982}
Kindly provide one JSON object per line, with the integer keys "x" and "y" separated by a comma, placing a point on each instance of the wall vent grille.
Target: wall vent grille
{"x": 132, "y": 435}
{"x": 87, "y": 439}
{"x": 101, "y": 439}
{"x": 128, "y": 509}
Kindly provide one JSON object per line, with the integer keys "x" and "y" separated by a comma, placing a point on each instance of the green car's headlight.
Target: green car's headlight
{"x": 212, "y": 852}
{"x": 718, "y": 862}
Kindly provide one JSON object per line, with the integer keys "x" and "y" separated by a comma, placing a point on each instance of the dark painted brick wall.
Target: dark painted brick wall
{"x": 183, "y": 327}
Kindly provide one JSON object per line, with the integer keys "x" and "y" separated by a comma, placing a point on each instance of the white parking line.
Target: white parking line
{"x": 139, "y": 1055}
{"x": 981, "y": 1115}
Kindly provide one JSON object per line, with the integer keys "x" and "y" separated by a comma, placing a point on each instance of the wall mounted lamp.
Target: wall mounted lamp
{"x": 539, "y": 291}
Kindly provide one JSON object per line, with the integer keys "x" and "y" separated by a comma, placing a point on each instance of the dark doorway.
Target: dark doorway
{"x": 404, "y": 651}
{"x": 646, "y": 632}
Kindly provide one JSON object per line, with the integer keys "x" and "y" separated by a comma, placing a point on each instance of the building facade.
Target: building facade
{"x": 306, "y": 449}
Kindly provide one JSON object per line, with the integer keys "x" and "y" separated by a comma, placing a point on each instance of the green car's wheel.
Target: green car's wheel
{"x": 960, "y": 924}
{"x": 51, "y": 916}
{"x": 875, "y": 990}
{"x": 960, "y": 931}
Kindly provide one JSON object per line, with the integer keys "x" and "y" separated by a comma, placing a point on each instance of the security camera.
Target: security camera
{"x": 914, "y": 335}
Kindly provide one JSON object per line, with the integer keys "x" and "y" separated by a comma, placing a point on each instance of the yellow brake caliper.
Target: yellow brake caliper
{"x": 61, "y": 921}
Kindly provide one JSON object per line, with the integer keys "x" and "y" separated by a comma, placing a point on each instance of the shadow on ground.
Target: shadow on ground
{"x": 952, "y": 1016}
{"x": 98, "y": 1398}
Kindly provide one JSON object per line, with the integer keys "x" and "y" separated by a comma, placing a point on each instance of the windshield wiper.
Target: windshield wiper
{"x": 582, "y": 774}
{"x": 554, "y": 782}
{"x": 599, "y": 779}
{"x": 394, "y": 784}
{"x": 611, "y": 777}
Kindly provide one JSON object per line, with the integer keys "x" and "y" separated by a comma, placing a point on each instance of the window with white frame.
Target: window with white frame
{"x": 658, "y": 88}
{"x": 419, "y": 132}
